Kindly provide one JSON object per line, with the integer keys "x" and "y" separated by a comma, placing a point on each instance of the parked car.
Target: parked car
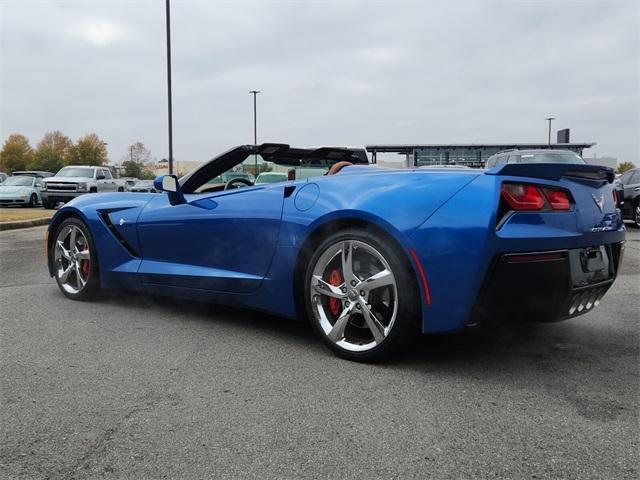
{"x": 534, "y": 156}
{"x": 370, "y": 256}
{"x": 143, "y": 186}
{"x": 33, "y": 173}
{"x": 270, "y": 177}
{"x": 75, "y": 180}
{"x": 630, "y": 181}
{"x": 21, "y": 190}
{"x": 129, "y": 182}
{"x": 3, "y": 177}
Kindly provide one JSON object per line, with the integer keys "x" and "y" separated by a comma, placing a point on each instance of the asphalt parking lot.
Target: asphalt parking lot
{"x": 137, "y": 387}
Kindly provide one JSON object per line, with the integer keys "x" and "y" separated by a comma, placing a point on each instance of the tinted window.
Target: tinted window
{"x": 635, "y": 178}
{"x": 551, "y": 157}
{"x": 625, "y": 177}
{"x": 492, "y": 162}
{"x": 106, "y": 173}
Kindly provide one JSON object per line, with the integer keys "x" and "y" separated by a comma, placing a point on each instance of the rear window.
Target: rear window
{"x": 551, "y": 157}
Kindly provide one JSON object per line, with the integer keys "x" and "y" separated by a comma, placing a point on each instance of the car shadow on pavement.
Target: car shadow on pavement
{"x": 531, "y": 341}
{"x": 247, "y": 320}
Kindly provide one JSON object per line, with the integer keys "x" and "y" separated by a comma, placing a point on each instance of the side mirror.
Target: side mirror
{"x": 169, "y": 184}
{"x": 99, "y": 177}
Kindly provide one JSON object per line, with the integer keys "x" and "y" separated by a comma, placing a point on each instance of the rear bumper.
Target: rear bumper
{"x": 545, "y": 286}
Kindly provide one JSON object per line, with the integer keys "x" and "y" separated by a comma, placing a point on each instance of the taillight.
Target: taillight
{"x": 522, "y": 197}
{"x": 558, "y": 199}
{"x": 616, "y": 202}
{"x": 525, "y": 197}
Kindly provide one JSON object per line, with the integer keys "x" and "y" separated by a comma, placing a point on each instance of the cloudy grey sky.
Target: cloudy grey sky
{"x": 330, "y": 72}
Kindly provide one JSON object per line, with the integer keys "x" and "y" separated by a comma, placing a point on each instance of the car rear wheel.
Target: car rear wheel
{"x": 360, "y": 296}
{"x": 74, "y": 260}
{"x": 636, "y": 214}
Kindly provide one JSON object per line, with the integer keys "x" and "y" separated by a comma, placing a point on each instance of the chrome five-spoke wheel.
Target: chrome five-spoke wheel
{"x": 72, "y": 258}
{"x": 353, "y": 295}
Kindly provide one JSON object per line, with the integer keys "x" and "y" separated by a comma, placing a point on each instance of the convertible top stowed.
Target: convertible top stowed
{"x": 283, "y": 154}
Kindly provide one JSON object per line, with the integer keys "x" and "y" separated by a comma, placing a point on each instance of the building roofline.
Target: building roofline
{"x": 400, "y": 148}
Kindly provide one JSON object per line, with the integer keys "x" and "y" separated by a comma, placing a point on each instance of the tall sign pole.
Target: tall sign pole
{"x": 549, "y": 119}
{"x": 255, "y": 127}
{"x": 170, "y": 115}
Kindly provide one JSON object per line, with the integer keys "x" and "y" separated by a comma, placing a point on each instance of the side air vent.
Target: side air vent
{"x": 112, "y": 228}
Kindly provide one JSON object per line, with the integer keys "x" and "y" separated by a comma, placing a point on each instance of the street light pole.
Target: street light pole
{"x": 549, "y": 119}
{"x": 168, "y": 15}
{"x": 255, "y": 127}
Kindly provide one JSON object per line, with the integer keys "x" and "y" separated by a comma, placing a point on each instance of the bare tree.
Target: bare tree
{"x": 137, "y": 153}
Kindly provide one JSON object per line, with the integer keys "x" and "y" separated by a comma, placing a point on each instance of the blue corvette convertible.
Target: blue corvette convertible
{"x": 368, "y": 255}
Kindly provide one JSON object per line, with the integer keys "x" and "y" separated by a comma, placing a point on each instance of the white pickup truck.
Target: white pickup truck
{"x": 75, "y": 180}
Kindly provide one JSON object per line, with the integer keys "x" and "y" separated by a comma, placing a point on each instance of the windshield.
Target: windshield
{"x": 552, "y": 157}
{"x": 21, "y": 181}
{"x": 75, "y": 172}
{"x": 271, "y": 178}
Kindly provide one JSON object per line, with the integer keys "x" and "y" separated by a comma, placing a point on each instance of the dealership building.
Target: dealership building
{"x": 471, "y": 154}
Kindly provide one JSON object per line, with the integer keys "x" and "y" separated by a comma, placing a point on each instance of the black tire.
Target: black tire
{"x": 408, "y": 317}
{"x": 120, "y": 189}
{"x": 92, "y": 286}
{"x": 33, "y": 201}
{"x": 48, "y": 205}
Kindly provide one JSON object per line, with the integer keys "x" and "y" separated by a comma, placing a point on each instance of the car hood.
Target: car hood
{"x": 11, "y": 189}
{"x": 67, "y": 179}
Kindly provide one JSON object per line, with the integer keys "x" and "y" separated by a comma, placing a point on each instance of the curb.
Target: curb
{"x": 35, "y": 222}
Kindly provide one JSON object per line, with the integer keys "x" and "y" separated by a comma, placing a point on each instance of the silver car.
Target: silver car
{"x": 21, "y": 190}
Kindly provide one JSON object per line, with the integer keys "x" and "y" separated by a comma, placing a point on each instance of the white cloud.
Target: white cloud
{"x": 330, "y": 73}
{"x": 100, "y": 33}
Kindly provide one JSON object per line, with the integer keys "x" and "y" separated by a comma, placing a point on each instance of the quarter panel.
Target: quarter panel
{"x": 398, "y": 201}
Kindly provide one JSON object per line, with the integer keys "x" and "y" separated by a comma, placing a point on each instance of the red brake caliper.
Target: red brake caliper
{"x": 85, "y": 266}
{"x": 335, "y": 305}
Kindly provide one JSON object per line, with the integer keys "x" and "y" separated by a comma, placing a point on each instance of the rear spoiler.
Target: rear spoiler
{"x": 555, "y": 171}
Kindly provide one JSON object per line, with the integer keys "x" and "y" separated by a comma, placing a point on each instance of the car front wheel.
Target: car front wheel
{"x": 33, "y": 200}
{"x": 74, "y": 261}
{"x": 636, "y": 214}
{"x": 360, "y": 296}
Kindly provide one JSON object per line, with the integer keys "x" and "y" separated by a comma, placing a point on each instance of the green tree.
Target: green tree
{"x": 16, "y": 153}
{"x": 624, "y": 166}
{"x": 132, "y": 169}
{"x": 88, "y": 150}
{"x": 51, "y": 152}
{"x": 147, "y": 174}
